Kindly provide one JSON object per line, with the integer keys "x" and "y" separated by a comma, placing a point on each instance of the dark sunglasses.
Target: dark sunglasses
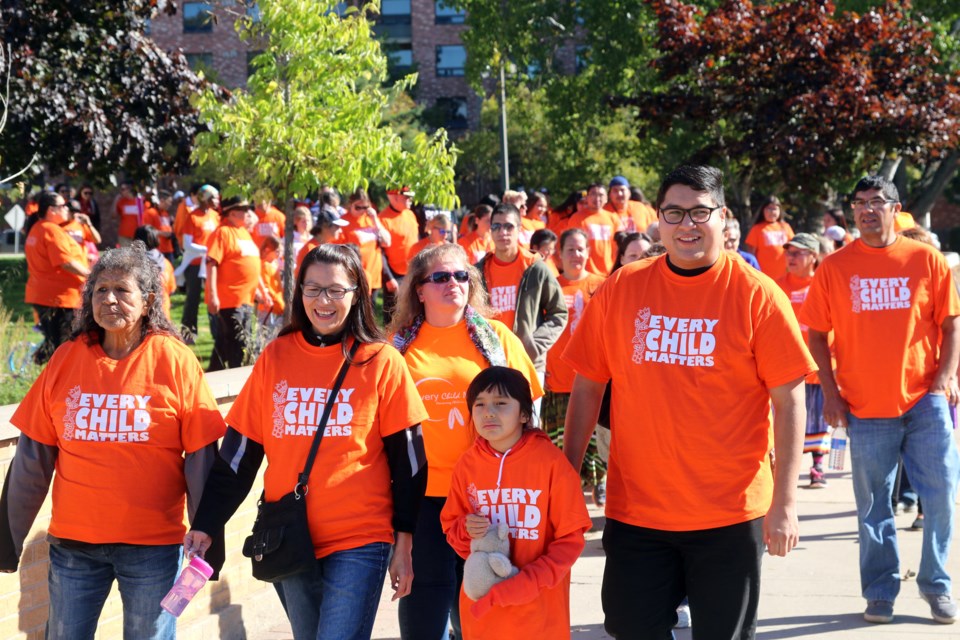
{"x": 442, "y": 277}
{"x": 506, "y": 226}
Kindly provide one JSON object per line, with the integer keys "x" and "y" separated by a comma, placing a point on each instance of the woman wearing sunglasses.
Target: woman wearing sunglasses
{"x": 441, "y": 327}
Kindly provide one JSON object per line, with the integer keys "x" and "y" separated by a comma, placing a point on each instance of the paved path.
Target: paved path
{"x": 813, "y": 593}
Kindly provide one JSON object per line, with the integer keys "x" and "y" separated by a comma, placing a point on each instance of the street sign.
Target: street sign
{"x": 15, "y": 218}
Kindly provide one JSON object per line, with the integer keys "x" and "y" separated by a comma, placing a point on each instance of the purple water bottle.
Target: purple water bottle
{"x": 191, "y": 580}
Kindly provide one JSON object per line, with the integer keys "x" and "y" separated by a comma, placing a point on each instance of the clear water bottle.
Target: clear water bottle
{"x": 188, "y": 584}
{"x": 838, "y": 448}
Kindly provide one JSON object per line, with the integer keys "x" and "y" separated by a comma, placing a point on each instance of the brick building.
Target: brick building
{"x": 417, "y": 35}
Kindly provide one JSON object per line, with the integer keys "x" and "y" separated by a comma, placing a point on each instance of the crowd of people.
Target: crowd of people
{"x": 525, "y": 357}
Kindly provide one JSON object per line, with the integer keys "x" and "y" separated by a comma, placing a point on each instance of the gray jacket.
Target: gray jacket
{"x": 541, "y": 310}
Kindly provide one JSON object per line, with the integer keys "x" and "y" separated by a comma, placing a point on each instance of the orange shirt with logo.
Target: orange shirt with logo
{"x": 886, "y": 307}
{"x": 527, "y": 227}
{"x": 404, "y": 233}
{"x": 81, "y": 235}
{"x": 200, "y": 224}
{"x": 130, "y": 216}
{"x": 600, "y": 227}
{"x": 47, "y": 248}
{"x": 349, "y": 502}
{"x": 443, "y": 363}
{"x": 160, "y": 220}
{"x": 121, "y": 427}
{"x": 503, "y": 284}
{"x": 184, "y": 209}
{"x": 362, "y": 231}
{"x": 705, "y": 350}
{"x": 476, "y": 246}
{"x": 797, "y": 289}
{"x": 636, "y": 218}
{"x": 768, "y": 239}
{"x": 537, "y": 494}
{"x": 270, "y": 223}
{"x": 560, "y": 375}
{"x": 238, "y": 265}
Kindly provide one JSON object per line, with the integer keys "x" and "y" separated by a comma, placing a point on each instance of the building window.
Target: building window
{"x": 453, "y": 112}
{"x": 253, "y": 12}
{"x": 451, "y": 60}
{"x": 400, "y": 57}
{"x": 200, "y": 62}
{"x": 197, "y": 17}
{"x": 395, "y": 12}
{"x": 448, "y": 15}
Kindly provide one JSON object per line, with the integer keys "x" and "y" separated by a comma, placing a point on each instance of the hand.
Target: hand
{"x": 947, "y": 388}
{"x": 401, "y": 566}
{"x": 82, "y": 219}
{"x": 781, "y": 529}
{"x": 483, "y": 606}
{"x": 213, "y": 307}
{"x": 477, "y": 525}
{"x": 835, "y": 410}
{"x": 196, "y": 543}
{"x": 392, "y": 285}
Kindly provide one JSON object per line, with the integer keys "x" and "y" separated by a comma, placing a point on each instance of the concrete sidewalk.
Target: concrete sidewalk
{"x": 812, "y": 593}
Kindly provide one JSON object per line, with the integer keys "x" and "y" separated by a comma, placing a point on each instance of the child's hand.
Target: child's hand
{"x": 477, "y": 525}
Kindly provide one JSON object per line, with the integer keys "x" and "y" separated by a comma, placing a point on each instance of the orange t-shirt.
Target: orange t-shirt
{"x": 47, "y": 248}
{"x": 271, "y": 275}
{"x": 168, "y": 281}
{"x": 704, "y": 350}
{"x": 443, "y": 363}
{"x": 503, "y": 284}
{"x": 600, "y": 227}
{"x": 421, "y": 245}
{"x": 636, "y": 218}
{"x": 349, "y": 501}
{"x": 238, "y": 265}
{"x": 537, "y": 494}
{"x": 557, "y": 223}
{"x": 797, "y": 289}
{"x": 311, "y": 244}
{"x": 200, "y": 224}
{"x": 362, "y": 231}
{"x": 476, "y": 246}
{"x": 270, "y": 224}
{"x": 527, "y": 227}
{"x": 121, "y": 428}
{"x": 560, "y": 375}
{"x": 159, "y": 219}
{"x": 184, "y": 209}
{"x": 404, "y": 232}
{"x": 81, "y": 235}
{"x": 886, "y": 307}
{"x": 130, "y": 215}
{"x": 768, "y": 239}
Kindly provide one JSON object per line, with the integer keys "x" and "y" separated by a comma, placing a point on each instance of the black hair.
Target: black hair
{"x": 888, "y": 189}
{"x": 360, "y": 324}
{"x": 624, "y": 241}
{"x": 766, "y": 202}
{"x": 541, "y": 236}
{"x": 696, "y": 176}
{"x": 508, "y": 382}
{"x": 148, "y": 235}
{"x": 505, "y": 209}
{"x": 572, "y": 231}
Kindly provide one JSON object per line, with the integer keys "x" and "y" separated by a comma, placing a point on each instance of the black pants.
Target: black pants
{"x": 437, "y": 575}
{"x": 233, "y": 338}
{"x": 648, "y": 572}
{"x": 55, "y": 323}
{"x": 194, "y": 285}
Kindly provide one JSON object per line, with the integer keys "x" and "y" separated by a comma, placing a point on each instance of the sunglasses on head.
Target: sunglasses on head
{"x": 441, "y": 277}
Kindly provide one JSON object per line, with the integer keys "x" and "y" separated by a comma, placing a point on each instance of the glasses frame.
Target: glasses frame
{"x": 689, "y": 213}
{"x": 443, "y": 277}
{"x": 873, "y": 203}
{"x": 325, "y": 291}
{"x": 506, "y": 226}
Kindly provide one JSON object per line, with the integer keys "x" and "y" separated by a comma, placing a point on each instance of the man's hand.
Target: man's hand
{"x": 947, "y": 388}
{"x": 401, "y": 566}
{"x": 476, "y": 525}
{"x": 781, "y": 529}
{"x": 213, "y": 307}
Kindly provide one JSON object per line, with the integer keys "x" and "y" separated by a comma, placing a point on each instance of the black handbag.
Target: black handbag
{"x": 280, "y": 545}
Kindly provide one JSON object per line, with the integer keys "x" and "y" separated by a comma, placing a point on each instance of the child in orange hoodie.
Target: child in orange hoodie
{"x": 515, "y": 475}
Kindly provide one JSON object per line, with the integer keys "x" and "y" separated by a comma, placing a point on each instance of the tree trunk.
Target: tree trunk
{"x": 921, "y": 201}
{"x": 888, "y": 168}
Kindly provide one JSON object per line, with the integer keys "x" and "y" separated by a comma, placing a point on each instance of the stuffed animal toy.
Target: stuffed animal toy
{"x": 488, "y": 562}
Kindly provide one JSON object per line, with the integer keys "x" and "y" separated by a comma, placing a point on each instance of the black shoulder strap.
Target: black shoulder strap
{"x": 328, "y": 407}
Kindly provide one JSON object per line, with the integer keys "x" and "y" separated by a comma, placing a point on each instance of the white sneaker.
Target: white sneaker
{"x": 684, "y": 621}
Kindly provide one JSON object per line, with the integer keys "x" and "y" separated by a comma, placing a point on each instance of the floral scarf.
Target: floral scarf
{"x": 481, "y": 333}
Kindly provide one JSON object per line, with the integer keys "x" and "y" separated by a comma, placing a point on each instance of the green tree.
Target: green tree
{"x": 90, "y": 93}
{"x": 313, "y": 114}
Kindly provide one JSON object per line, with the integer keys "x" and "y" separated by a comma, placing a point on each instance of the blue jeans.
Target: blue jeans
{"x": 338, "y": 599}
{"x": 81, "y": 576}
{"x": 923, "y": 436}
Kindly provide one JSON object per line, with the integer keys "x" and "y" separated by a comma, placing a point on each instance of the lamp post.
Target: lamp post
{"x": 504, "y": 143}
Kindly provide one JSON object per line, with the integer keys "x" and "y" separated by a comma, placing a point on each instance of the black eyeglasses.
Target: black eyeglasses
{"x": 506, "y": 226}
{"x": 698, "y": 215}
{"x": 333, "y": 293}
{"x": 442, "y": 277}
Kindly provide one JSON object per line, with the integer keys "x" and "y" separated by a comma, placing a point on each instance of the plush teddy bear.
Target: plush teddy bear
{"x": 488, "y": 562}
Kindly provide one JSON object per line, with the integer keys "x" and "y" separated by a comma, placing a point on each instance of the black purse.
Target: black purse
{"x": 280, "y": 545}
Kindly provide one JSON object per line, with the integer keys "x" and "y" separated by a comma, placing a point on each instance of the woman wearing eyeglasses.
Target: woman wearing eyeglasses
{"x": 441, "y": 327}
{"x": 440, "y": 229}
{"x": 367, "y": 484}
